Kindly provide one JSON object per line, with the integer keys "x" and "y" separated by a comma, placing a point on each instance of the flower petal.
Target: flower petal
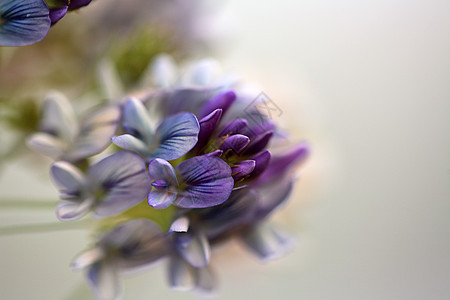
{"x": 272, "y": 196}
{"x": 204, "y": 282}
{"x": 164, "y": 179}
{"x": 75, "y": 4}
{"x": 96, "y": 132}
{"x": 137, "y": 244}
{"x": 57, "y": 13}
{"x": 163, "y": 71}
{"x": 58, "y": 117}
{"x": 177, "y": 135}
{"x": 283, "y": 163}
{"x": 235, "y": 143}
{"x": 87, "y": 258}
{"x": 137, "y": 122}
{"x": 261, "y": 162}
{"x": 208, "y": 180}
{"x": 47, "y": 145}
{"x": 258, "y": 144}
{"x": 132, "y": 143}
{"x": 223, "y": 101}
{"x": 242, "y": 169}
{"x": 181, "y": 275}
{"x": 193, "y": 247}
{"x": 25, "y": 22}
{"x": 267, "y": 242}
{"x": 239, "y": 209}
{"x": 123, "y": 178}
{"x": 180, "y": 225}
{"x": 207, "y": 126}
{"x": 103, "y": 279}
{"x": 73, "y": 210}
{"x": 69, "y": 180}
{"x": 234, "y": 127}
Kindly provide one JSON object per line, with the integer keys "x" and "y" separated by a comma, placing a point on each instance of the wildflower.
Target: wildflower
{"x": 62, "y": 137}
{"x": 112, "y": 185}
{"x": 23, "y": 22}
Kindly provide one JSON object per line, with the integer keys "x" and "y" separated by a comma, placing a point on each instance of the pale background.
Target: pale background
{"x": 366, "y": 83}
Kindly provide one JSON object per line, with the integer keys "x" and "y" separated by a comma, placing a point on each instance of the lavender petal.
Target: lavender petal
{"x": 96, "y": 131}
{"x": 137, "y": 122}
{"x": 123, "y": 178}
{"x": 177, "y": 135}
{"x": 193, "y": 247}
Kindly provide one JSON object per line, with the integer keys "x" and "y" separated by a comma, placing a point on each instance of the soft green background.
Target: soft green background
{"x": 366, "y": 82}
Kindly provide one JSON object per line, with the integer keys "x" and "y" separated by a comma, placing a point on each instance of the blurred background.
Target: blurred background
{"x": 364, "y": 82}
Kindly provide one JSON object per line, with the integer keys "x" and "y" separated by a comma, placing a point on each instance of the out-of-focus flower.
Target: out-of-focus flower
{"x": 62, "y": 137}
{"x": 112, "y": 185}
{"x": 23, "y": 22}
{"x": 131, "y": 245}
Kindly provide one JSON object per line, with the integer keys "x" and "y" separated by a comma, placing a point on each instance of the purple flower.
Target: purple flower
{"x": 110, "y": 186}
{"x": 62, "y": 137}
{"x": 23, "y": 22}
{"x": 198, "y": 182}
{"x": 129, "y": 246}
{"x": 173, "y": 137}
{"x": 59, "y": 8}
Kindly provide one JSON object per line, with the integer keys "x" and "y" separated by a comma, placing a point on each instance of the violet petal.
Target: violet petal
{"x": 177, "y": 135}
{"x": 57, "y": 13}
{"x": 261, "y": 162}
{"x": 235, "y": 143}
{"x": 208, "y": 181}
{"x": 242, "y": 169}
{"x": 223, "y": 100}
{"x": 207, "y": 126}
{"x": 258, "y": 144}
{"x": 23, "y": 22}
{"x": 283, "y": 163}
{"x": 234, "y": 127}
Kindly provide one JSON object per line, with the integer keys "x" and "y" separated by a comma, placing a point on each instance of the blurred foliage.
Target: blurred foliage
{"x": 20, "y": 115}
{"x": 133, "y": 56}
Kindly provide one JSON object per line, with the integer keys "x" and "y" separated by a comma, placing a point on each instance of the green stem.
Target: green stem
{"x": 27, "y": 204}
{"x": 42, "y": 228}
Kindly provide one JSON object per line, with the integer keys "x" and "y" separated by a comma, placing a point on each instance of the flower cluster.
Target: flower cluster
{"x": 187, "y": 169}
{"x": 25, "y": 22}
